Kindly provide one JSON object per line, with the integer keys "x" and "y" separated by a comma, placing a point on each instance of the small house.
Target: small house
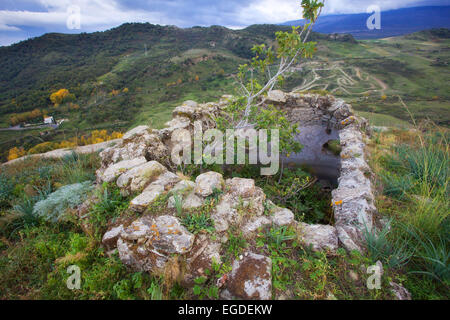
{"x": 49, "y": 120}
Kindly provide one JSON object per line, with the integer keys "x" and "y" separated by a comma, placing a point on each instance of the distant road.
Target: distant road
{"x": 19, "y": 128}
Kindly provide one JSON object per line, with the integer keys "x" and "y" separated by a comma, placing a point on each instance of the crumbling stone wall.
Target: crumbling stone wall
{"x": 139, "y": 164}
{"x": 353, "y": 199}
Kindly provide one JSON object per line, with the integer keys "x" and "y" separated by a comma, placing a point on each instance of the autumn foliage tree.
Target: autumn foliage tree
{"x": 15, "y": 153}
{"x": 61, "y": 96}
{"x": 17, "y": 118}
{"x": 96, "y": 136}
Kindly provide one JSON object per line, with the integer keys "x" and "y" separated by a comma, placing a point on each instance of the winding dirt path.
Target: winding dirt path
{"x": 338, "y": 75}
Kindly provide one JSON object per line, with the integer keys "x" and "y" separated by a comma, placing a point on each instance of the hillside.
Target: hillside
{"x": 393, "y": 22}
{"x": 370, "y": 74}
{"x": 137, "y": 73}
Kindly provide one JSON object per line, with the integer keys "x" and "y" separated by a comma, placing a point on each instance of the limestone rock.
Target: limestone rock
{"x": 241, "y": 187}
{"x": 142, "y": 201}
{"x": 282, "y": 217}
{"x": 149, "y": 243}
{"x": 137, "y": 131}
{"x": 178, "y": 123}
{"x": 181, "y": 137}
{"x": 225, "y": 213}
{"x": 399, "y": 291}
{"x": 252, "y": 226}
{"x": 190, "y": 103}
{"x": 110, "y": 238}
{"x": 207, "y": 182}
{"x": 139, "y": 142}
{"x": 319, "y": 237}
{"x": 156, "y": 149}
{"x": 114, "y": 170}
{"x": 255, "y": 205}
{"x": 353, "y": 200}
{"x": 187, "y": 109}
{"x": 167, "y": 179}
{"x": 276, "y": 97}
{"x": 251, "y": 278}
{"x": 139, "y": 177}
{"x": 192, "y": 201}
{"x": 183, "y": 187}
{"x": 200, "y": 258}
{"x": 181, "y": 140}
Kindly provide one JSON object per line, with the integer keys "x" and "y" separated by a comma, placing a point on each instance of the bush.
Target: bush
{"x": 198, "y": 222}
{"x": 76, "y": 168}
{"x": 111, "y": 205}
{"x": 298, "y": 191}
{"x": 380, "y": 247}
{"x": 27, "y": 216}
{"x": 433, "y": 256}
{"x": 430, "y": 164}
{"x": 53, "y": 208}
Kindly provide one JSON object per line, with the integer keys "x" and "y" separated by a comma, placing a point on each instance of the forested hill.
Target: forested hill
{"x": 127, "y": 75}
{"x": 31, "y": 69}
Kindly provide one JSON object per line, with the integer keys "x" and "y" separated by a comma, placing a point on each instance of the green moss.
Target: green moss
{"x": 334, "y": 146}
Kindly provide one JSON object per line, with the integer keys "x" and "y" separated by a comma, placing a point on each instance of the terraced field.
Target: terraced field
{"x": 372, "y": 74}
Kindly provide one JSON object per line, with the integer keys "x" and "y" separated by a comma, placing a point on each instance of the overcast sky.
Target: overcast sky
{"x": 21, "y": 19}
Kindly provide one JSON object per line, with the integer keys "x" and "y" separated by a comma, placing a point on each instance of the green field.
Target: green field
{"x": 371, "y": 74}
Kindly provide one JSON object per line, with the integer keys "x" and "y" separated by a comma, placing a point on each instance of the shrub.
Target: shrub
{"x": 198, "y": 222}
{"x": 110, "y": 205}
{"x": 178, "y": 202}
{"x": 76, "y": 168}
{"x": 235, "y": 243}
{"x": 53, "y": 208}
{"x": 334, "y": 146}
{"x": 380, "y": 247}
{"x": 27, "y": 216}
{"x": 42, "y": 148}
{"x": 433, "y": 256}
{"x": 298, "y": 191}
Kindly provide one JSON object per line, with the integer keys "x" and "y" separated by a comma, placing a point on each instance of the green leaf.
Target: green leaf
{"x": 197, "y": 290}
{"x": 200, "y": 280}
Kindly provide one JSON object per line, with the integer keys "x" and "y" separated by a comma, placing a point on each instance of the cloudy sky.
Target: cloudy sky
{"x": 22, "y": 19}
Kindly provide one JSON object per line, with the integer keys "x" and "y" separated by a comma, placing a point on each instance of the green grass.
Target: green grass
{"x": 414, "y": 175}
{"x": 383, "y": 120}
{"x": 198, "y": 222}
{"x": 403, "y": 69}
{"x": 35, "y": 254}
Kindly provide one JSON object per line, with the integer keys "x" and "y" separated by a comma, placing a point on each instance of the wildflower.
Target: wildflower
{"x": 337, "y": 203}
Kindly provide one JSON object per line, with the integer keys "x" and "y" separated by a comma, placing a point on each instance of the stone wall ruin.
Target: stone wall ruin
{"x": 140, "y": 164}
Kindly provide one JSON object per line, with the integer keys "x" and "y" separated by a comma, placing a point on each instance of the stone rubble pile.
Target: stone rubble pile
{"x": 140, "y": 165}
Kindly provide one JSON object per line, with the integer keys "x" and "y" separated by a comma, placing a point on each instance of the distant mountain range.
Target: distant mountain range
{"x": 393, "y": 23}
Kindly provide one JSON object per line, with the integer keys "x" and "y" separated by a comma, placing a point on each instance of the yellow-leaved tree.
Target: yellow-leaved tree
{"x": 15, "y": 153}
{"x": 59, "y": 96}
